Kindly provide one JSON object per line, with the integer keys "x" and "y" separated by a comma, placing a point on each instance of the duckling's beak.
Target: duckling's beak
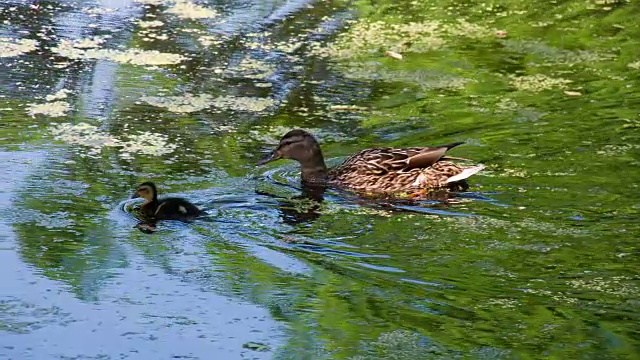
{"x": 274, "y": 155}
{"x": 135, "y": 195}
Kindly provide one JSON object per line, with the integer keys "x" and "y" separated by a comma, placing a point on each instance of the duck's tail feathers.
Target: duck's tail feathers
{"x": 452, "y": 145}
{"x": 466, "y": 173}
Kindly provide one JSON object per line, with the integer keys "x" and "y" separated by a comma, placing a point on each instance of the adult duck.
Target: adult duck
{"x": 409, "y": 171}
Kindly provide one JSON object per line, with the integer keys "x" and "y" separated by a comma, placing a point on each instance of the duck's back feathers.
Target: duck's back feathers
{"x": 384, "y": 160}
{"x": 398, "y": 170}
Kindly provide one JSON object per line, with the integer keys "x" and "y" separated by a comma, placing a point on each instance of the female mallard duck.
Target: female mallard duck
{"x": 164, "y": 209}
{"x": 381, "y": 170}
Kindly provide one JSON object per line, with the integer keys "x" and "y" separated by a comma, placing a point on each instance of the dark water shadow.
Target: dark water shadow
{"x": 302, "y": 208}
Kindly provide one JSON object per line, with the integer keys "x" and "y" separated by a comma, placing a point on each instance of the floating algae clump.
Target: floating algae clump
{"x": 53, "y": 109}
{"x": 538, "y": 82}
{"x": 425, "y": 79}
{"x": 149, "y": 24}
{"x": 251, "y": 69}
{"x": 634, "y": 65}
{"x": 180, "y": 104}
{"x": 85, "y": 135}
{"x": 366, "y": 37}
{"x": 401, "y": 345}
{"x": 88, "y": 43}
{"x": 61, "y": 94}
{"x": 242, "y": 103}
{"x": 188, "y": 10}
{"x": 208, "y": 40}
{"x": 14, "y": 47}
{"x": 616, "y": 150}
{"x": 131, "y": 56}
{"x": 191, "y": 103}
{"x": 377, "y": 37}
{"x": 183, "y": 9}
{"x": 553, "y": 55}
{"x": 92, "y": 137}
{"x": 622, "y": 286}
{"x": 147, "y": 143}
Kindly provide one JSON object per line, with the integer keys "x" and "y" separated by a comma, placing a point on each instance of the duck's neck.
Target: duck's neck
{"x": 313, "y": 169}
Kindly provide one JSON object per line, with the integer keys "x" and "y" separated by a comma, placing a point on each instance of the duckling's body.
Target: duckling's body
{"x": 379, "y": 170}
{"x": 171, "y": 208}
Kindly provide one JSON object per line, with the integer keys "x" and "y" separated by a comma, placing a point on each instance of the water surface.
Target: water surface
{"x": 538, "y": 260}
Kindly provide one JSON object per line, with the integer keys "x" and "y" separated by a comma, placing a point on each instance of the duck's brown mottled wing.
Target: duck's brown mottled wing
{"x": 383, "y": 160}
{"x": 374, "y": 161}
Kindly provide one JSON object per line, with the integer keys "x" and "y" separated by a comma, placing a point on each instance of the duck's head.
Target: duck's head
{"x": 296, "y": 145}
{"x": 147, "y": 191}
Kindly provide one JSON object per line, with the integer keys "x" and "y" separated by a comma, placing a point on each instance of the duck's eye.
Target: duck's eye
{"x": 289, "y": 143}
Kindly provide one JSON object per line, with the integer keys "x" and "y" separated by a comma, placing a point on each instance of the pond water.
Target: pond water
{"x": 539, "y": 259}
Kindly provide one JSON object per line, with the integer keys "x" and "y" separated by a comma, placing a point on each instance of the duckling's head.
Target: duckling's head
{"x": 147, "y": 191}
{"x": 296, "y": 145}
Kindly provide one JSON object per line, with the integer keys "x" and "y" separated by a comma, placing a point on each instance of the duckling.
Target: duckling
{"x": 386, "y": 171}
{"x": 172, "y": 208}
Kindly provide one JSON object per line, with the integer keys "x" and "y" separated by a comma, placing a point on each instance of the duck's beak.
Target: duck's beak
{"x": 135, "y": 195}
{"x": 274, "y": 155}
